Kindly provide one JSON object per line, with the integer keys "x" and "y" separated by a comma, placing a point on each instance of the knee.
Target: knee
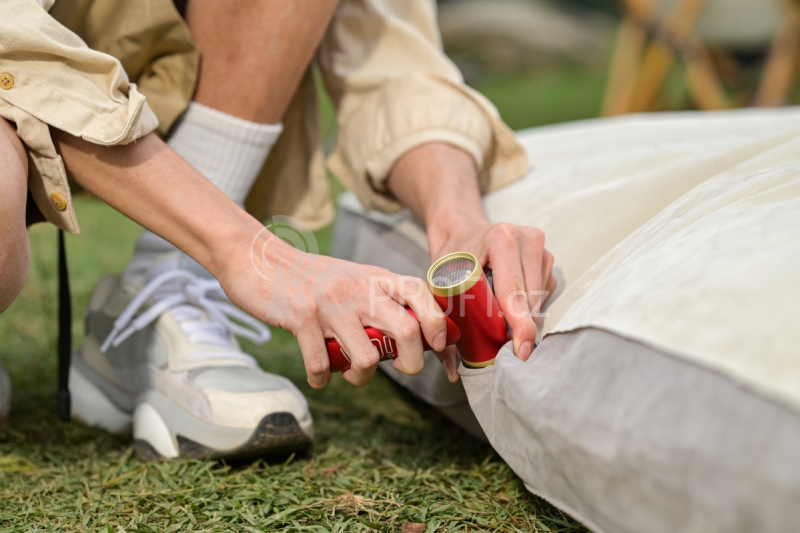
{"x": 12, "y": 151}
{"x": 14, "y": 264}
{"x": 14, "y": 247}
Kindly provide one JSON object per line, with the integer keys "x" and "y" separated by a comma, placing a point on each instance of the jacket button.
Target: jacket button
{"x": 58, "y": 201}
{"x": 6, "y": 81}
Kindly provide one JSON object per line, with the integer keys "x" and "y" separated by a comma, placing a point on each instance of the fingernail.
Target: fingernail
{"x": 525, "y": 350}
{"x": 450, "y": 367}
{"x": 439, "y": 341}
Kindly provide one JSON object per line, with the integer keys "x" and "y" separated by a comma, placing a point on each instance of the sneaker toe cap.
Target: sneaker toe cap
{"x": 242, "y": 397}
{"x": 238, "y": 379}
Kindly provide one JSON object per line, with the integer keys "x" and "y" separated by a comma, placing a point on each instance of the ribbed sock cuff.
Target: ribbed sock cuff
{"x": 227, "y": 150}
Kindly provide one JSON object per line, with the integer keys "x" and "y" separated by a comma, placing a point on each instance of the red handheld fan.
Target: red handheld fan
{"x": 474, "y": 321}
{"x": 387, "y": 347}
{"x": 460, "y": 287}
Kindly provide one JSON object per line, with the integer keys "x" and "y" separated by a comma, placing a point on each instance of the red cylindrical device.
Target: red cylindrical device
{"x": 387, "y": 347}
{"x": 460, "y": 287}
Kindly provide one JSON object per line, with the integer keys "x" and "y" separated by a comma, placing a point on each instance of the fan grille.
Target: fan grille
{"x": 452, "y": 272}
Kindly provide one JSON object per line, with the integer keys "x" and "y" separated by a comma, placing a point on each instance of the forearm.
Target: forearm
{"x": 154, "y": 186}
{"x": 439, "y": 183}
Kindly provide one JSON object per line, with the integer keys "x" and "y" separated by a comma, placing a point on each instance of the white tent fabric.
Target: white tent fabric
{"x": 665, "y": 395}
{"x": 681, "y": 231}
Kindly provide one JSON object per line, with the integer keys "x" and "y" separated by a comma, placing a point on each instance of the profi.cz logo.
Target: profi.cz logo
{"x": 293, "y": 232}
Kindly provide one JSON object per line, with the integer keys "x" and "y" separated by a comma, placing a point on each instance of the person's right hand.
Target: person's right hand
{"x": 316, "y": 297}
{"x": 312, "y": 296}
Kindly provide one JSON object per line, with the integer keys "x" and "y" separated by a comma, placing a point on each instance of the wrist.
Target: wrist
{"x": 439, "y": 183}
{"x": 450, "y": 227}
{"x": 243, "y": 241}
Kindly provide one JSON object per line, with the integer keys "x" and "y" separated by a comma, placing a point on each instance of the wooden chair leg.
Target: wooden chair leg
{"x": 660, "y": 57}
{"x": 624, "y": 68}
{"x": 658, "y": 61}
{"x": 779, "y": 69}
{"x": 703, "y": 82}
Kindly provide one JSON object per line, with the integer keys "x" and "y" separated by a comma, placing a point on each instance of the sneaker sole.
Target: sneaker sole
{"x": 164, "y": 430}
{"x": 277, "y": 433}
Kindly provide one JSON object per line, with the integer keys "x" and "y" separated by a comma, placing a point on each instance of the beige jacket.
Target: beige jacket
{"x": 394, "y": 89}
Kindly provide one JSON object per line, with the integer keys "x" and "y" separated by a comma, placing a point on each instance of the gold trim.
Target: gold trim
{"x": 477, "y": 365}
{"x": 462, "y": 286}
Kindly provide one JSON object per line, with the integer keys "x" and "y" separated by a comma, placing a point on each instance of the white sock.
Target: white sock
{"x": 227, "y": 150}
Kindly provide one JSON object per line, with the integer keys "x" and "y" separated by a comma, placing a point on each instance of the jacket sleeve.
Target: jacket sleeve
{"x": 394, "y": 89}
{"x": 53, "y": 79}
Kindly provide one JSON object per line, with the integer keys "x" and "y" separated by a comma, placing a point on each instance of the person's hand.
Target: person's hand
{"x": 439, "y": 183}
{"x": 521, "y": 268}
{"x": 316, "y": 297}
{"x": 312, "y": 296}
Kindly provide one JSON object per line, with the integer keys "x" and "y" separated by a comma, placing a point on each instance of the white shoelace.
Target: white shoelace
{"x": 186, "y": 296}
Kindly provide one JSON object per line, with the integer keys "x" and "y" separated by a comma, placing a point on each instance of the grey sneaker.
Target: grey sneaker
{"x": 5, "y": 394}
{"x": 160, "y": 358}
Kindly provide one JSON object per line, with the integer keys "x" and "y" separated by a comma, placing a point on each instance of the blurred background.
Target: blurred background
{"x": 544, "y": 61}
{"x": 539, "y": 61}
{"x": 549, "y": 61}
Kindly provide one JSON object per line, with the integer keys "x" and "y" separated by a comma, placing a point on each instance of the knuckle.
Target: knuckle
{"x": 317, "y": 367}
{"x": 515, "y": 321}
{"x": 506, "y": 231}
{"x": 517, "y": 295}
{"x": 359, "y": 284}
{"x": 333, "y": 292}
{"x": 526, "y": 326}
{"x": 407, "y": 330}
{"x": 365, "y": 360}
{"x": 535, "y": 234}
{"x": 353, "y": 286}
{"x": 435, "y": 323}
{"x": 339, "y": 289}
{"x": 411, "y": 284}
{"x": 377, "y": 273}
{"x": 412, "y": 369}
{"x": 318, "y": 383}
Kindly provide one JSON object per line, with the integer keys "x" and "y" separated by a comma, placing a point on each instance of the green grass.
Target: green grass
{"x": 528, "y": 100}
{"x": 380, "y": 460}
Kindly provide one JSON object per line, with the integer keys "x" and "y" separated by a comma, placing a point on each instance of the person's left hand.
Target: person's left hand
{"x": 522, "y": 271}
{"x": 439, "y": 183}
